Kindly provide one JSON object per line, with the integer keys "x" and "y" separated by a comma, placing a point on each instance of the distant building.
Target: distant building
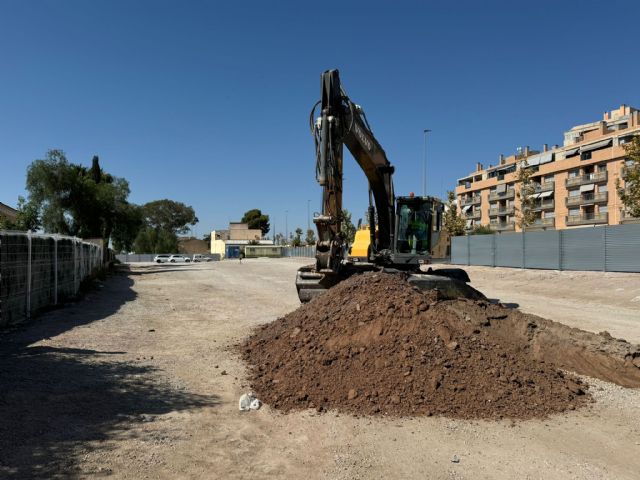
{"x": 575, "y": 183}
{"x": 229, "y": 243}
{"x": 8, "y": 213}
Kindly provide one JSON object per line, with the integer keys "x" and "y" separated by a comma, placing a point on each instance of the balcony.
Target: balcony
{"x": 545, "y": 187}
{"x": 543, "y": 223}
{"x": 587, "y": 219}
{"x": 588, "y": 198}
{"x": 473, "y": 215}
{"x": 596, "y": 177}
{"x": 493, "y": 212}
{"x": 544, "y": 205}
{"x": 502, "y": 226}
{"x": 509, "y": 193}
{"x": 470, "y": 201}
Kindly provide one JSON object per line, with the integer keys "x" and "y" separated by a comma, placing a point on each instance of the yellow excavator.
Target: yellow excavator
{"x": 401, "y": 230}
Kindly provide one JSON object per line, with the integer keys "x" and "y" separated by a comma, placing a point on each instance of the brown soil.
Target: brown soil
{"x": 375, "y": 344}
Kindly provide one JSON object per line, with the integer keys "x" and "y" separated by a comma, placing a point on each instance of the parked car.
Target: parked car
{"x": 198, "y": 257}
{"x": 162, "y": 258}
{"x": 179, "y": 258}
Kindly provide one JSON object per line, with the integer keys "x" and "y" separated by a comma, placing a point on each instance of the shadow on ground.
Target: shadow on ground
{"x": 56, "y": 403}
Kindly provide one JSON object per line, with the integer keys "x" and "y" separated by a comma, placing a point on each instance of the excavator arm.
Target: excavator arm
{"x": 341, "y": 122}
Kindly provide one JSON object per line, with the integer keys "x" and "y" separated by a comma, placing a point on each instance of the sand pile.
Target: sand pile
{"x": 376, "y": 345}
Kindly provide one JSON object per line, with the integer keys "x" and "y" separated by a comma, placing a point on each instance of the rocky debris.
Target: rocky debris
{"x": 374, "y": 344}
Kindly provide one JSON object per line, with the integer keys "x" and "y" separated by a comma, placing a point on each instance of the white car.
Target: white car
{"x": 198, "y": 257}
{"x": 179, "y": 258}
{"x": 162, "y": 258}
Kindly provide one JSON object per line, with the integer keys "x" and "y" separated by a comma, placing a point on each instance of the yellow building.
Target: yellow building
{"x": 575, "y": 183}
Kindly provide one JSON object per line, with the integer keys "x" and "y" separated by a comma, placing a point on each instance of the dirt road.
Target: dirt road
{"x": 138, "y": 381}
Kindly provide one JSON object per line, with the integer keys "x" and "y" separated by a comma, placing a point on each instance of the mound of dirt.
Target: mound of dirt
{"x": 376, "y": 345}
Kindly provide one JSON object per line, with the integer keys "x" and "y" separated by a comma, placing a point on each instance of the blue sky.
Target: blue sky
{"x": 207, "y": 102}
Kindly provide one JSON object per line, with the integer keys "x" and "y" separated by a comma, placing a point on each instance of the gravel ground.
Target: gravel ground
{"x": 139, "y": 380}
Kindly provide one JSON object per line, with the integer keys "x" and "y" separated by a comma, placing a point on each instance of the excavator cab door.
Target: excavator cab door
{"x": 414, "y": 225}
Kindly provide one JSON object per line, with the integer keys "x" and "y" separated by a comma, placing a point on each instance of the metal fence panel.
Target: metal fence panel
{"x": 623, "y": 248}
{"x": 41, "y": 270}
{"x": 542, "y": 250}
{"x": 583, "y": 249}
{"x": 508, "y": 250}
{"x": 306, "y": 251}
{"x": 481, "y": 250}
{"x": 460, "y": 250}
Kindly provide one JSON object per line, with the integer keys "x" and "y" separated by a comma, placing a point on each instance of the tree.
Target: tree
{"x": 526, "y": 189}
{"x": 152, "y": 240}
{"x": 168, "y": 215}
{"x": 311, "y": 237}
{"x": 347, "y": 228}
{"x": 73, "y": 200}
{"x": 481, "y": 230}
{"x": 255, "y": 219}
{"x": 453, "y": 223}
{"x": 126, "y": 228}
{"x": 297, "y": 239}
{"x": 630, "y": 193}
{"x": 279, "y": 239}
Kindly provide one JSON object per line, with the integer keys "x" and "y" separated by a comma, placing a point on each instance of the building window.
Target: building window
{"x": 549, "y": 214}
{"x": 602, "y": 188}
{"x": 604, "y": 209}
{"x": 574, "y": 173}
{"x": 574, "y": 212}
{"x": 602, "y": 167}
{"x": 585, "y": 156}
{"x": 574, "y": 193}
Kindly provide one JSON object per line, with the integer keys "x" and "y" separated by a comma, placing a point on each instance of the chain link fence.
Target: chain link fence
{"x": 37, "y": 271}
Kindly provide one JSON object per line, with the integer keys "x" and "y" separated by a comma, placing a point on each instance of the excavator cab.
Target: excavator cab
{"x": 417, "y": 218}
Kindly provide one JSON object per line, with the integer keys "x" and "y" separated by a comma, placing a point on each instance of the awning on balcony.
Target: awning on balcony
{"x": 546, "y": 157}
{"x": 571, "y": 152}
{"x": 533, "y": 160}
{"x": 466, "y": 209}
{"x": 595, "y": 146}
{"x": 587, "y": 188}
{"x": 501, "y": 188}
{"x": 546, "y": 194}
{"x": 535, "y": 195}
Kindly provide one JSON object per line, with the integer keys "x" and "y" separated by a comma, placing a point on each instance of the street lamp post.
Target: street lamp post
{"x": 286, "y": 227}
{"x": 424, "y": 164}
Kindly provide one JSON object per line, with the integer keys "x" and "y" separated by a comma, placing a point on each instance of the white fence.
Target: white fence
{"x": 37, "y": 271}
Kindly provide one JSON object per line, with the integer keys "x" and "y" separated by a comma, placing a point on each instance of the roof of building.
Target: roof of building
{"x": 7, "y": 211}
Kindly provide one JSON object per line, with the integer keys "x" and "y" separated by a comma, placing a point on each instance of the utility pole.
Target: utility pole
{"x": 424, "y": 164}
{"x": 286, "y": 226}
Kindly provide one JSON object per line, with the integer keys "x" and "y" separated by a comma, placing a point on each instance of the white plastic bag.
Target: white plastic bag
{"x": 248, "y": 401}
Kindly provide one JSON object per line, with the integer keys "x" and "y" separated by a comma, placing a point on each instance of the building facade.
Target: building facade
{"x": 575, "y": 184}
{"x": 229, "y": 243}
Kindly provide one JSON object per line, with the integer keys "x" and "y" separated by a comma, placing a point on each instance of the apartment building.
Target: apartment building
{"x": 575, "y": 184}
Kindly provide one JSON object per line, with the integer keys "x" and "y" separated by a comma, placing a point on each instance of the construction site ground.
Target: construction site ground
{"x": 141, "y": 379}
